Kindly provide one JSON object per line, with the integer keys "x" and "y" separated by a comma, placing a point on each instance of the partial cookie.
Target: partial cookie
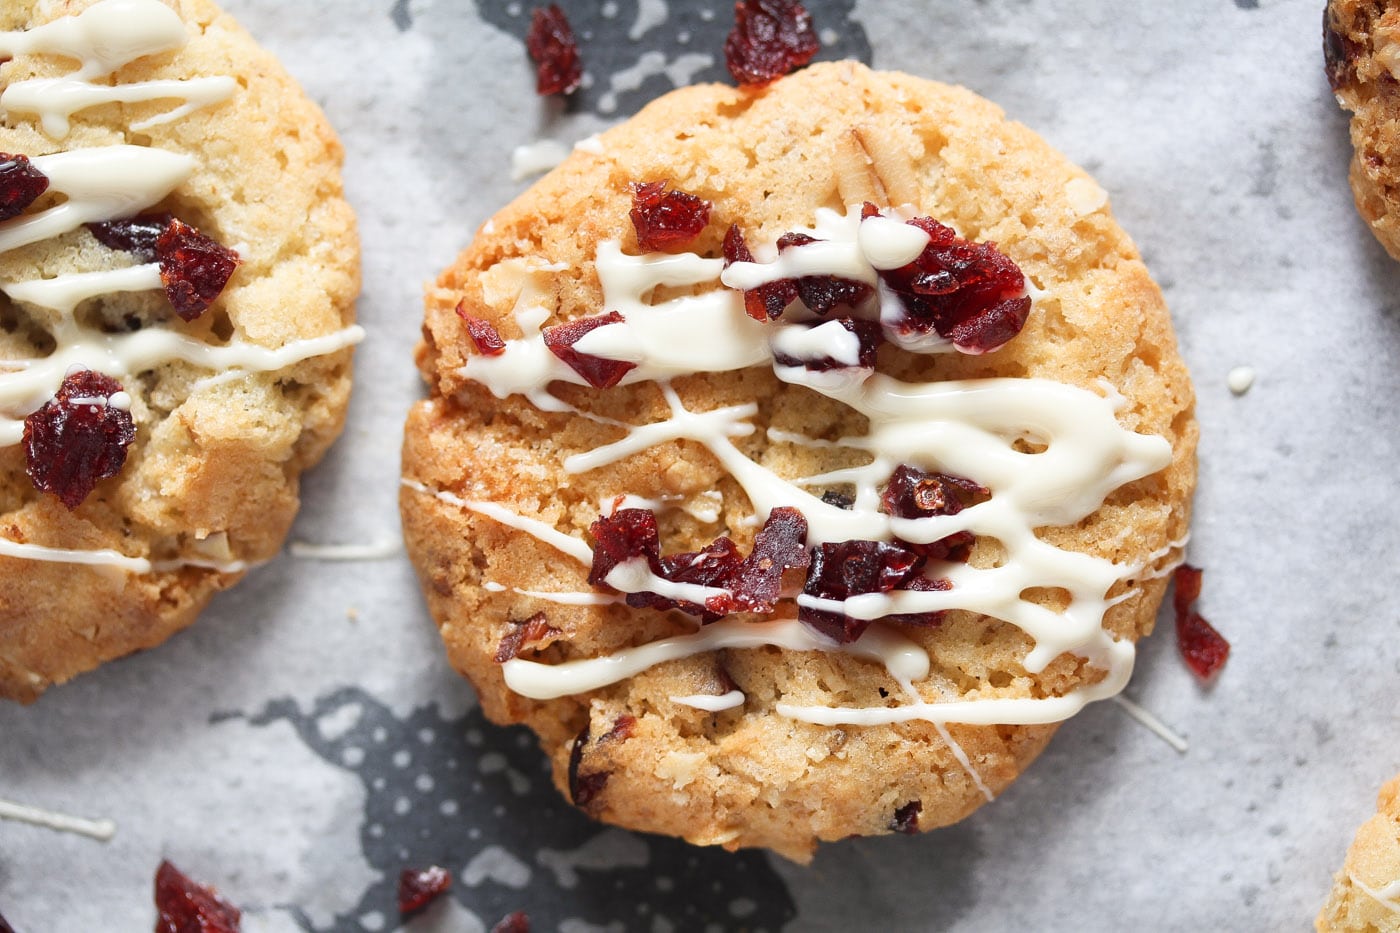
{"x": 1365, "y": 897}
{"x": 163, "y": 383}
{"x": 1361, "y": 43}
{"x": 728, "y": 468}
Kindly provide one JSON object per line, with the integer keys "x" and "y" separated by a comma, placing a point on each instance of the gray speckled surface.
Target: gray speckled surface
{"x": 1211, "y": 125}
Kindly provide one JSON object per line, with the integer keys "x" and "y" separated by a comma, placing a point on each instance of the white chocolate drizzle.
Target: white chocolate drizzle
{"x": 711, "y": 703}
{"x": 1388, "y": 896}
{"x": 107, "y": 183}
{"x": 968, "y": 428}
{"x": 104, "y": 37}
{"x": 101, "y": 830}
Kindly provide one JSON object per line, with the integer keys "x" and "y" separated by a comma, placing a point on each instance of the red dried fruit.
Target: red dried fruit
{"x": 517, "y": 922}
{"x": 780, "y": 545}
{"x": 867, "y": 332}
{"x": 752, "y": 584}
{"x": 20, "y": 184}
{"x": 921, "y": 584}
{"x": 1204, "y": 649}
{"x": 621, "y": 536}
{"x": 419, "y": 887}
{"x": 5, "y": 926}
{"x": 916, "y": 493}
{"x": 906, "y": 818}
{"x": 822, "y": 294}
{"x": 622, "y": 729}
{"x": 136, "y": 235}
{"x": 193, "y": 268}
{"x": 598, "y": 372}
{"x": 485, "y": 337}
{"x": 665, "y": 220}
{"x": 78, "y": 439}
{"x": 182, "y": 906}
{"x": 849, "y": 568}
{"x": 769, "y": 39}
{"x": 554, "y": 51}
{"x": 838, "y": 499}
{"x": 969, "y": 293}
{"x": 1339, "y": 53}
{"x": 767, "y": 302}
{"x": 531, "y": 630}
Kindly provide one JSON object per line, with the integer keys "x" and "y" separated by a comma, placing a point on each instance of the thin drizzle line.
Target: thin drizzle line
{"x": 101, "y": 830}
{"x": 382, "y": 550}
{"x": 1153, "y": 724}
{"x": 1379, "y": 896}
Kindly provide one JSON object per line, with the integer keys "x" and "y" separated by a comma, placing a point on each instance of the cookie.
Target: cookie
{"x": 1361, "y": 46}
{"x": 177, "y": 275}
{"x": 1366, "y": 894}
{"x": 848, "y": 569}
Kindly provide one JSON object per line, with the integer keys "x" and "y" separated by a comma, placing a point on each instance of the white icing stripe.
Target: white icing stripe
{"x": 105, "y": 558}
{"x": 103, "y": 37}
{"x": 710, "y": 703}
{"x": 383, "y": 550}
{"x": 65, "y": 292}
{"x": 101, "y": 830}
{"x": 55, "y": 100}
{"x": 547, "y": 682}
{"x": 102, "y": 183}
{"x": 1388, "y": 897}
{"x": 566, "y": 544}
{"x": 573, "y": 599}
{"x": 1152, "y": 723}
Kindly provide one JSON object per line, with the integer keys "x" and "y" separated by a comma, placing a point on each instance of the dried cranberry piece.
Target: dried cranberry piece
{"x": 584, "y": 787}
{"x": 969, "y": 293}
{"x": 916, "y": 493}
{"x": 182, "y": 906}
{"x": 193, "y": 268}
{"x": 769, "y": 39}
{"x": 780, "y": 545}
{"x": 136, "y": 235}
{"x": 20, "y": 184}
{"x": 766, "y": 302}
{"x": 717, "y": 565}
{"x": 823, "y": 294}
{"x": 598, "y": 372}
{"x": 518, "y": 922}
{"x": 848, "y": 568}
{"x": 419, "y": 887}
{"x": 906, "y": 818}
{"x": 867, "y": 332}
{"x": 665, "y": 220}
{"x": 838, "y": 499}
{"x": 623, "y": 729}
{"x": 1204, "y": 649}
{"x": 529, "y": 631}
{"x": 554, "y": 50}
{"x": 78, "y": 438}
{"x": 621, "y": 536}
{"x": 485, "y": 337}
{"x": 868, "y": 210}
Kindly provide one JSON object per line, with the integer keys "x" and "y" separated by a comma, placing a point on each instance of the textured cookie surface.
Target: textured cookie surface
{"x": 1361, "y": 43}
{"x": 178, "y": 112}
{"x": 727, "y": 746}
{"x": 1365, "y": 897}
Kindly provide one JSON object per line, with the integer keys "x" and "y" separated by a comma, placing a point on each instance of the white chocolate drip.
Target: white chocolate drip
{"x": 1388, "y": 896}
{"x": 968, "y": 428}
{"x": 101, "y": 830}
{"x": 710, "y": 703}
{"x": 103, "y": 38}
{"x": 108, "y": 183}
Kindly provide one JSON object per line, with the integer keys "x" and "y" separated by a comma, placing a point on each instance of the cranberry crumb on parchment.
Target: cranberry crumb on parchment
{"x": 183, "y": 906}
{"x": 419, "y": 887}
{"x": 554, "y": 51}
{"x": 78, "y": 439}
{"x": 517, "y": 922}
{"x": 770, "y": 38}
{"x": 1204, "y": 649}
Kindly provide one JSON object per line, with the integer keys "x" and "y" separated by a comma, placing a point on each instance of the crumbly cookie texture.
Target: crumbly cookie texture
{"x": 826, "y": 137}
{"x": 1365, "y": 896}
{"x": 210, "y": 484}
{"x": 1361, "y": 43}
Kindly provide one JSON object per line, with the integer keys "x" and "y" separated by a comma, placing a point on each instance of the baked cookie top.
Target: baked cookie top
{"x": 1366, "y": 894}
{"x": 847, "y": 575}
{"x": 163, "y": 383}
{"x": 1361, "y": 45}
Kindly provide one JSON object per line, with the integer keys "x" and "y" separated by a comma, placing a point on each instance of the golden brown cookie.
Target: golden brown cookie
{"x": 746, "y": 474}
{"x": 1365, "y": 897}
{"x": 162, "y": 384}
{"x": 1361, "y": 45}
